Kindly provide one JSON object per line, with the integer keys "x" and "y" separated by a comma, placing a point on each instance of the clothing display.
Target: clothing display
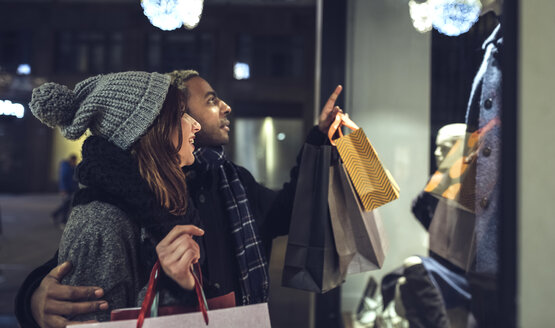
{"x": 485, "y": 106}
{"x": 423, "y": 303}
{"x": 432, "y": 288}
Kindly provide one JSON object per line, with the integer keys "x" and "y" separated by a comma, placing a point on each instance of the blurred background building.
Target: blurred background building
{"x": 258, "y": 55}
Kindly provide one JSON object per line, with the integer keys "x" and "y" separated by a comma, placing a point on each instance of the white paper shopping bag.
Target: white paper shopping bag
{"x": 255, "y": 315}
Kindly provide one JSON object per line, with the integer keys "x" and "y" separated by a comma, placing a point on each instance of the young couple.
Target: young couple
{"x": 147, "y": 196}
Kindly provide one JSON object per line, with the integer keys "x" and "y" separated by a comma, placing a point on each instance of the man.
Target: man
{"x": 222, "y": 192}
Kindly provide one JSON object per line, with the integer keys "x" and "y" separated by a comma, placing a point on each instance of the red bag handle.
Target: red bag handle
{"x": 340, "y": 120}
{"x": 151, "y": 290}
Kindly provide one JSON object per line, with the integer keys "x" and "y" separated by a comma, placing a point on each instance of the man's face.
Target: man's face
{"x": 210, "y": 111}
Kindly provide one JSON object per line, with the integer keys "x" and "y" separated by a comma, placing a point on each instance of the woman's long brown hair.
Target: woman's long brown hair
{"x": 158, "y": 158}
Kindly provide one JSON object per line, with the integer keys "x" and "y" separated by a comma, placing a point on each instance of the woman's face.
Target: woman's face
{"x": 189, "y": 127}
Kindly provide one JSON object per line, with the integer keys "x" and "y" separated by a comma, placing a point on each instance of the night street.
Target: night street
{"x": 28, "y": 238}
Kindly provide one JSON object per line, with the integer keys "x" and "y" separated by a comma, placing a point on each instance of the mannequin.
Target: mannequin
{"x": 413, "y": 267}
{"x": 447, "y": 136}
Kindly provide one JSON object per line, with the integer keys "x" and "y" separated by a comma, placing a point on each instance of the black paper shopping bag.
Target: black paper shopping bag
{"x": 359, "y": 236}
{"x": 311, "y": 261}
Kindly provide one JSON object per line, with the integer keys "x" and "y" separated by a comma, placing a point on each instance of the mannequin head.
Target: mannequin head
{"x": 447, "y": 136}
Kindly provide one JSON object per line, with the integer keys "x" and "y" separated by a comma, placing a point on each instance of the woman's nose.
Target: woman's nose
{"x": 196, "y": 127}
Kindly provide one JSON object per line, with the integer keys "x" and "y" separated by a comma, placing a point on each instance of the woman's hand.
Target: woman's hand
{"x": 177, "y": 252}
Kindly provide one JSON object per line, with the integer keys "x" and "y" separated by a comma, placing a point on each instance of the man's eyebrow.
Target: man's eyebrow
{"x": 210, "y": 93}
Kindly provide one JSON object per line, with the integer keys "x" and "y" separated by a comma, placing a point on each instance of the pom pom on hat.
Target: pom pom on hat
{"x": 53, "y": 104}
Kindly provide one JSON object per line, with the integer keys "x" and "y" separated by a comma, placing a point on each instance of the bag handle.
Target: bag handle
{"x": 203, "y": 306}
{"x": 340, "y": 121}
{"x": 151, "y": 292}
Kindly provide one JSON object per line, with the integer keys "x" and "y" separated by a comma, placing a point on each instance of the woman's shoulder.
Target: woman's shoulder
{"x": 101, "y": 242}
{"x": 98, "y": 232}
{"x": 99, "y": 217}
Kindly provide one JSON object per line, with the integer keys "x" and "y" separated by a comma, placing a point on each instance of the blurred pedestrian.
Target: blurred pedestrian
{"x": 67, "y": 186}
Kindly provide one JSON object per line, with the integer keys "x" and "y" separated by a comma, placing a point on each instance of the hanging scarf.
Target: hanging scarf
{"x": 251, "y": 260}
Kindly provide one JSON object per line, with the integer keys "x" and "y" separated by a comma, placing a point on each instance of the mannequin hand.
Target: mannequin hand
{"x": 52, "y": 301}
{"x": 329, "y": 111}
{"x": 177, "y": 252}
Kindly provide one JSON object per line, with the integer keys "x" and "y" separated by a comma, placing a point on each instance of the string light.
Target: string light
{"x": 449, "y": 17}
{"x": 455, "y": 17}
{"x": 169, "y": 15}
{"x": 191, "y": 10}
{"x": 420, "y": 13}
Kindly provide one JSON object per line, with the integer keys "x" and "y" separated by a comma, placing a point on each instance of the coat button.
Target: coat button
{"x": 484, "y": 202}
{"x": 486, "y": 151}
{"x": 201, "y": 198}
{"x": 488, "y": 103}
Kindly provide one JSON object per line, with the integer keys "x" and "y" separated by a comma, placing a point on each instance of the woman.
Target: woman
{"x": 133, "y": 205}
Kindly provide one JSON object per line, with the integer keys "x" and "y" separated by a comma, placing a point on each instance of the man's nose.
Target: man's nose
{"x": 225, "y": 109}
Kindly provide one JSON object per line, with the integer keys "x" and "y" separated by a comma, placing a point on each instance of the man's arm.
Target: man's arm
{"x": 276, "y": 207}
{"x": 43, "y": 302}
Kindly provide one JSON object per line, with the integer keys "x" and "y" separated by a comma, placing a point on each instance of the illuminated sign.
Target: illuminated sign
{"x": 7, "y": 108}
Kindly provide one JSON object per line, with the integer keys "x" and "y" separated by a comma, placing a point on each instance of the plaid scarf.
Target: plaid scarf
{"x": 251, "y": 260}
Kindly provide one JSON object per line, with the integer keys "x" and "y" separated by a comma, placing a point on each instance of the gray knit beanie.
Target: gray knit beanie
{"x": 119, "y": 107}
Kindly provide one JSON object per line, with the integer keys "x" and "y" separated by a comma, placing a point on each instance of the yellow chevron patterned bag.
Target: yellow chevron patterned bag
{"x": 373, "y": 183}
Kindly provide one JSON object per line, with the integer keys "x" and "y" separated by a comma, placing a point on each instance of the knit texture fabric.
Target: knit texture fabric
{"x": 119, "y": 107}
{"x": 251, "y": 261}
